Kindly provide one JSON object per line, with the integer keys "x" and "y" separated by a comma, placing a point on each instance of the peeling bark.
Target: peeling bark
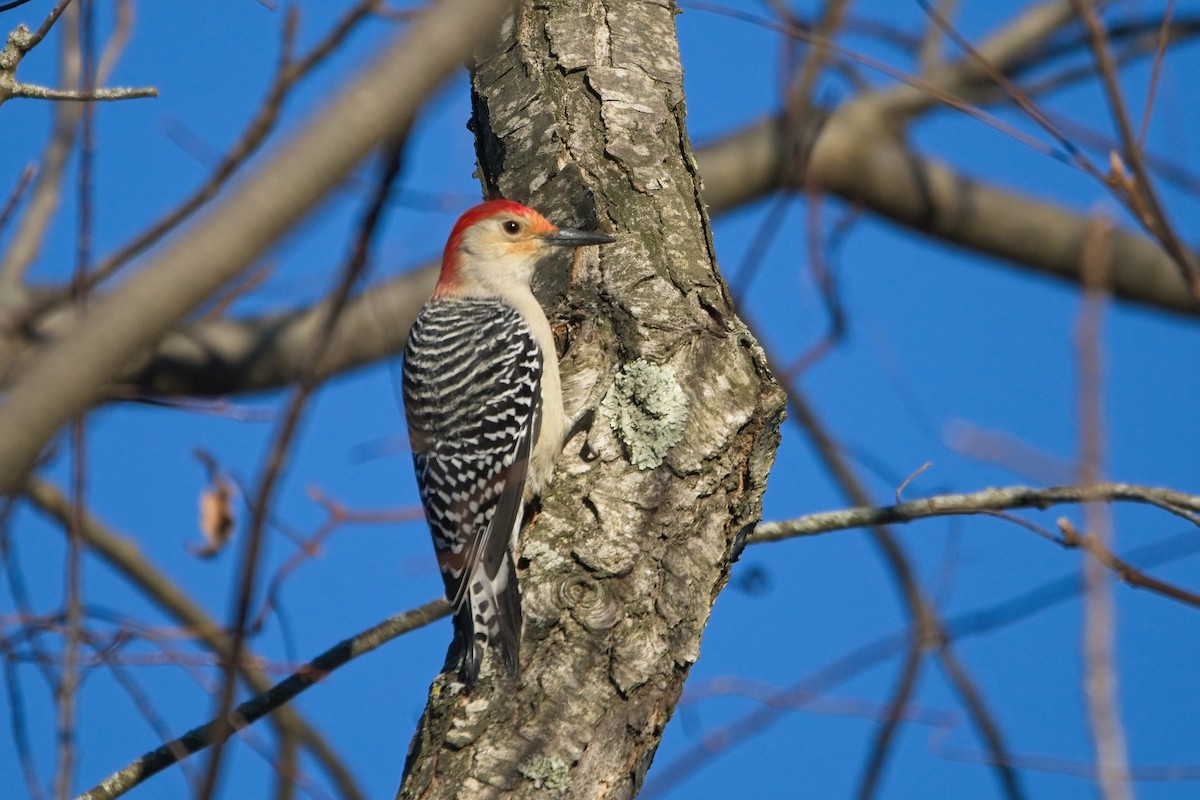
{"x": 579, "y": 112}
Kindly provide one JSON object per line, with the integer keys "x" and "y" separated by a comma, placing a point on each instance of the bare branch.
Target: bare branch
{"x": 262, "y": 704}
{"x": 285, "y": 434}
{"x": 995, "y": 55}
{"x": 47, "y": 190}
{"x": 1099, "y": 612}
{"x": 32, "y": 91}
{"x": 20, "y": 41}
{"x": 71, "y": 374}
{"x": 1160, "y": 51}
{"x": 859, "y": 161}
{"x": 16, "y": 195}
{"x": 220, "y": 357}
{"x": 290, "y": 72}
{"x": 1186, "y": 506}
{"x": 1143, "y": 197}
{"x": 896, "y": 710}
{"x": 929, "y": 54}
{"x": 228, "y": 356}
{"x": 123, "y": 555}
{"x": 979, "y": 622}
{"x": 20, "y": 733}
{"x": 994, "y": 501}
{"x": 985, "y": 722}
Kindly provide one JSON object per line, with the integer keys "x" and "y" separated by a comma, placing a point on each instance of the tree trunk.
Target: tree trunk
{"x": 579, "y": 112}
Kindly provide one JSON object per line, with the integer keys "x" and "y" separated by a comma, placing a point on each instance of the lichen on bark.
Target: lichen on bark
{"x": 647, "y": 409}
{"x": 578, "y": 110}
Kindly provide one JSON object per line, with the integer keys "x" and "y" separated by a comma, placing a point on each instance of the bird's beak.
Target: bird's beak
{"x": 569, "y": 237}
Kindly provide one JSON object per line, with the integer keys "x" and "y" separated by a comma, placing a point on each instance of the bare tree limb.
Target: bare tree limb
{"x": 897, "y": 707}
{"x": 992, "y": 501}
{"x": 969, "y": 624}
{"x": 1099, "y": 640}
{"x": 1143, "y": 197}
{"x": 262, "y": 704}
{"x": 122, "y": 554}
{"x": 31, "y": 228}
{"x": 218, "y": 357}
{"x": 290, "y": 71}
{"x": 20, "y": 41}
{"x": 31, "y": 91}
{"x": 281, "y": 445}
{"x": 966, "y": 76}
{"x": 927, "y": 630}
{"x": 1186, "y": 506}
{"x": 856, "y": 159}
{"x": 229, "y": 356}
{"x": 71, "y": 375}
{"x": 985, "y": 722}
{"x": 865, "y": 165}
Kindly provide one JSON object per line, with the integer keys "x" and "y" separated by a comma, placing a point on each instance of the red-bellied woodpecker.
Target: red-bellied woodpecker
{"x": 485, "y": 414}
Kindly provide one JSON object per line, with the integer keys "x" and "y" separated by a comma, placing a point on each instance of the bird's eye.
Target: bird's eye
{"x": 512, "y": 227}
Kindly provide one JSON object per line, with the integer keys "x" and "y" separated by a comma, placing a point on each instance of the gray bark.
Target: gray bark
{"x": 579, "y": 111}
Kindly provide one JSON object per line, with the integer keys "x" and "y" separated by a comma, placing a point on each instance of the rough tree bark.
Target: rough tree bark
{"x": 579, "y": 111}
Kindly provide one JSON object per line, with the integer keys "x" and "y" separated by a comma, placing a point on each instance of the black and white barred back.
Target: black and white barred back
{"x": 472, "y": 395}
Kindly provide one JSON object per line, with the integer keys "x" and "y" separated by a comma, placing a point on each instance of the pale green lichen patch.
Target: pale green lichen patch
{"x": 648, "y": 410}
{"x": 546, "y": 772}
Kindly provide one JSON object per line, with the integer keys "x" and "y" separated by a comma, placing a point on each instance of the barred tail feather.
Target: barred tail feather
{"x": 490, "y": 615}
{"x": 507, "y": 635}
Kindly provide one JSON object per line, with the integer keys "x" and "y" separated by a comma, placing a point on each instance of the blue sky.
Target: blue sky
{"x": 938, "y": 340}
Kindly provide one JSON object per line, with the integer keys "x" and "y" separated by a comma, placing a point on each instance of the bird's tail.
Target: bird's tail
{"x": 490, "y": 614}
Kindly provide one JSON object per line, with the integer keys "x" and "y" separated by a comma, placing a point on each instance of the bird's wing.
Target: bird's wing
{"x": 472, "y": 404}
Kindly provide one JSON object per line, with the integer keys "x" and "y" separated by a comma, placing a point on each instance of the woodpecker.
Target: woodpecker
{"x": 485, "y": 414}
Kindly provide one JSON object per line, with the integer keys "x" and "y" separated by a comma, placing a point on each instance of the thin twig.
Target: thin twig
{"x": 289, "y": 72}
{"x": 1130, "y": 33}
{"x": 822, "y": 276}
{"x": 20, "y": 593}
{"x": 927, "y": 89}
{"x": 1168, "y": 169}
{"x": 800, "y": 94}
{"x": 1140, "y": 191}
{"x": 927, "y": 630}
{"x": 66, "y": 694}
{"x": 1019, "y": 97}
{"x": 1123, "y": 569}
{"x": 32, "y": 91}
{"x": 287, "y": 767}
{"x": 977, "y": 622}
{"x": 1185, "y": 506}
{"x": 336, "y": 516}
{"x": 20, "y": 733}
{"x": 43, "y": 29}
{"x": 18, "y": 45}
{"x": 145, "y": 706}
{"x": 117, "y": 40}
{"x": 897, "y": 707}
{"x": 985, "y": 721}
{"x": 760, "y": 242}
{"x": 1160, "y": 51}
{"x": 308, "y": 380}
{"x": 929, "y": 55}
{"x": 46, "y": 193}
{"x": 258, "y": 706}
{"x": 124, "y": 556}
{"x": 991, "y": 501}
{"x": 16, "y": 195}
{"x": 1099, "y": 624}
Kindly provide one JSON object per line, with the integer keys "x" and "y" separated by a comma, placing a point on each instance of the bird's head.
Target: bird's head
{"x": 498, "y": 243}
